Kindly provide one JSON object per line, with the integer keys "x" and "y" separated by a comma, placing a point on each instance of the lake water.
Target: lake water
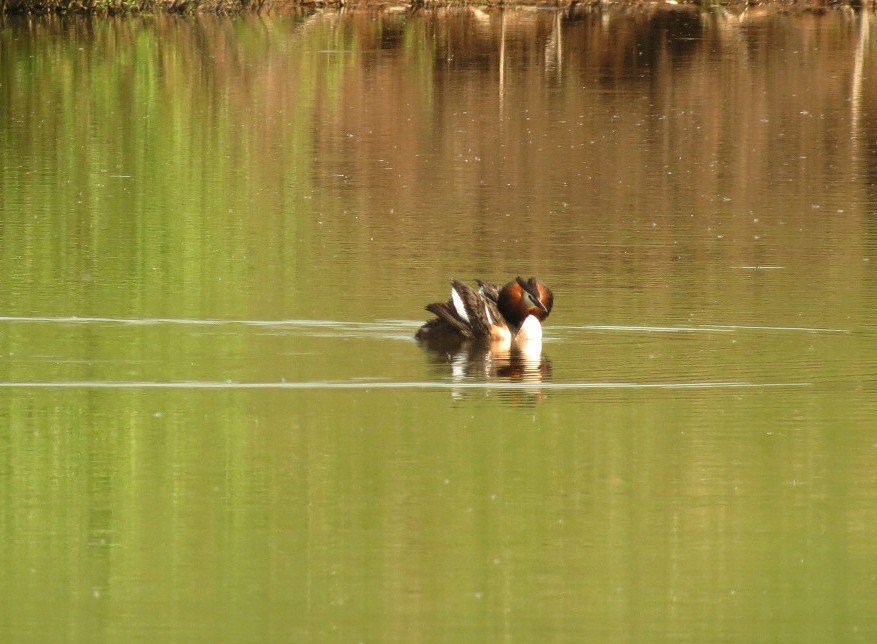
{"x": 217, "y": 236}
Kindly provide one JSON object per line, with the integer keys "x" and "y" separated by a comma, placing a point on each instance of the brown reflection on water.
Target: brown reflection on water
{"x": 642, "y": 121}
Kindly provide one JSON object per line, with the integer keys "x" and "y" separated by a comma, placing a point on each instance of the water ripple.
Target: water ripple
{"x": 359, "y": 384}
{"x": 396, "y": 325}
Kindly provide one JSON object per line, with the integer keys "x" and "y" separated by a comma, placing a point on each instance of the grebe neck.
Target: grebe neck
{"x": 530, "y": 329}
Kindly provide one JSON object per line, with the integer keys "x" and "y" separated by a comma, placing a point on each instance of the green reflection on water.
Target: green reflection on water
{"x": 374, "y": 515}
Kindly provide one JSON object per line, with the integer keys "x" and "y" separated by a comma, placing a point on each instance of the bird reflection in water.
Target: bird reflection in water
{"x": 473, "y": 361}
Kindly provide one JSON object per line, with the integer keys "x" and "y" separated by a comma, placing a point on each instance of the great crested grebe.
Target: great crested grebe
{"x": 513, "y": 312}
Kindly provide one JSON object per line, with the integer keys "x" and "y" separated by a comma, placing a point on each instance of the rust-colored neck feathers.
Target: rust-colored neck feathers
{"x": 521, "y": 298}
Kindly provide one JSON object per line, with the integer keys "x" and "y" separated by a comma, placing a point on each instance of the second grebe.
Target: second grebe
{"x": 513, "y": 312}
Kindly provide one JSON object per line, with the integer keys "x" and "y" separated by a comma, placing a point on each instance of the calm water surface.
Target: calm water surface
{"x": 216, "y": 239}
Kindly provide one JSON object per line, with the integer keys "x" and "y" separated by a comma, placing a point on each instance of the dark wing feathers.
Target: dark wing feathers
{"x": 475, "y": 305}
{"x": 445, "y": 311}
{"x": 489, "y": 290}
{"x": 480, "y": 307}
{"x": 495, "y": 315}
{"x": 491, "y": 298}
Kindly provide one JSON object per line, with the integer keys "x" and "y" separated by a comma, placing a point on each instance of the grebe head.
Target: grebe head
{"x": 521, "y": 298}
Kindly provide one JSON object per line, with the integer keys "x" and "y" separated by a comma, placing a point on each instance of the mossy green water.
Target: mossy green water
{"x": 216, "y": 240}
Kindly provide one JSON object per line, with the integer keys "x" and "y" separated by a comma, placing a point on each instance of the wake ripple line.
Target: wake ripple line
{"x": 72, "y": 319}
{"x": 87, "y": 384}
{"x": 700, "y": 328}
{"x": 396, "y": 324}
